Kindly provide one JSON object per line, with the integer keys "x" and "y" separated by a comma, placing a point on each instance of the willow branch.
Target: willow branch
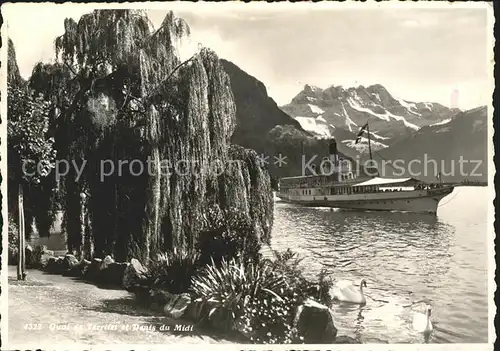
{"x": 165, "y": 81}
{"x": 71, "y": 69}
{"x": 88, "y": 84}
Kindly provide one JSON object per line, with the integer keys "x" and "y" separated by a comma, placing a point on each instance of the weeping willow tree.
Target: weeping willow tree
{"x": 124, "y": 97}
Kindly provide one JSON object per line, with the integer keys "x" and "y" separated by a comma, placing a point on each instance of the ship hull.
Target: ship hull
{"x": 418, "y": 201}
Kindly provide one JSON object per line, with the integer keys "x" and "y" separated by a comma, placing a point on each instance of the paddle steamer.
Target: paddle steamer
{"x": 337, "y": 186}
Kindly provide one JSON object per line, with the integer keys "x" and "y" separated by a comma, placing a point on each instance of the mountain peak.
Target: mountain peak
{"x": 376, "y": 87}
{"x": 311, "y": 88}
{"x": 255, "y": 110}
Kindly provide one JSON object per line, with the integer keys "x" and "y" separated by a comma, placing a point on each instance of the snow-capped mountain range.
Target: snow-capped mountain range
{"x": 336, "y": 110}
{"x": 443, "y": 135}
{"x": 463, "y": 137}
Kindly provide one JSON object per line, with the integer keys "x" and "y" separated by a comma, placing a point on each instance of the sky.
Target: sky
{"x": 433, "y": 54}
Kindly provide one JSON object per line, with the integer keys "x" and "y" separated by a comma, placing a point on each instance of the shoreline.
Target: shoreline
{"x": 31, "y": 313}
{"x": 140, "y": 302}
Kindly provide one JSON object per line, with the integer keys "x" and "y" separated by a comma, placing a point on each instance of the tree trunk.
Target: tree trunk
{"x": 21, "y": 274}
{"x": 87, "y": 247}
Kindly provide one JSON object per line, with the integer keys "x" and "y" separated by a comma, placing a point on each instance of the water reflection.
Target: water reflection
{"x": 352, "y": 242}
{"x": 404, "y": 257}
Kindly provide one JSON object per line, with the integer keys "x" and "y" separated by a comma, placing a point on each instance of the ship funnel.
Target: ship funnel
{"x": 333, "y": 147}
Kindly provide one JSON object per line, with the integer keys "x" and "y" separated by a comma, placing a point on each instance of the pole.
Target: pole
{"x": 19, "y": 233}
{"x": 21, "y": 274}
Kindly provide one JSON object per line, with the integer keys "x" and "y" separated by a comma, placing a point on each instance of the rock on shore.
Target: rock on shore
{"x": 314, "y": 324}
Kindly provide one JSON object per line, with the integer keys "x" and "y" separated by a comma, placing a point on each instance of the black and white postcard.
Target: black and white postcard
{"x": 252, "y": 176}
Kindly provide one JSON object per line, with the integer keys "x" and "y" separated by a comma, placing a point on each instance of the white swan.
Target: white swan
{"x": 422, "y": 322}
{"x": 347, "y": 292}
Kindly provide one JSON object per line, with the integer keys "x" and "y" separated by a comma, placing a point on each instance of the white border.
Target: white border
{"x": 218, "y": 7}
{"x": 4, "y": 310}
{"x": 492, "y": 308}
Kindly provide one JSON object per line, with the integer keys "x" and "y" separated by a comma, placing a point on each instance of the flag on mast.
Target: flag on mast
{"x": 360, "y": 133}
{"x": 438, "y": 176}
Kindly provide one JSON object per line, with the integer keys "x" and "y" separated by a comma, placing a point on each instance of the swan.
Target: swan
{"x": 422, "y": 322}
{"x": 347, "y": 292}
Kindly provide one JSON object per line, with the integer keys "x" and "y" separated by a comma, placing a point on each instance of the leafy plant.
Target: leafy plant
{"x": 270, "y": 320}
{"x": 324, "y": 285}
{"x": 173, "y": 271}
{"x": 226, "y": 290}
{"x": 13, "y": 240}
{"x": 227, "y": 235}
{"x": 31, "y": 152}
{"x": 288, "y": 263}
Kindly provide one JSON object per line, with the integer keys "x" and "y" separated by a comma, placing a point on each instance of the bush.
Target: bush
{"x": 271, "y": 320}
{"x": 227, "y": 290}
{"x": 258, "y": 299}
{"x": 13, "y": 241}
{"x": 288, "y": 262}
{"x": 227, "y": 235}
{"x": 172, "y": 271}
{"x": 324, "y": 285}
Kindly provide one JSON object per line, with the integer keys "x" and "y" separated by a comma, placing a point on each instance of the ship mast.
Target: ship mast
{"x": 369, "y": 140}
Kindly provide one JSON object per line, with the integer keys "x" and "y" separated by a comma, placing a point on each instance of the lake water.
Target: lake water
{"x": 405, "y": 258}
